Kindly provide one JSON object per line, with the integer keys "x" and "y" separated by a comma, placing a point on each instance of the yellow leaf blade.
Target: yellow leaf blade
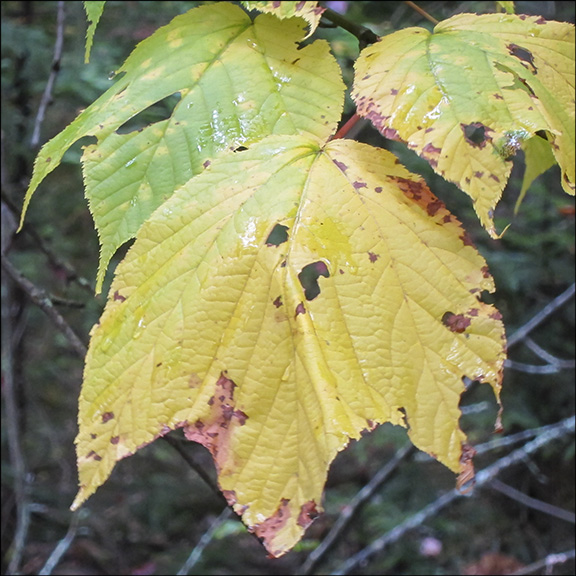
{"x": 211, "y": 327}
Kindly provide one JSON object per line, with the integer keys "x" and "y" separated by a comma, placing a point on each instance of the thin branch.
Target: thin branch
{"x": 539, "y": 369}
{"x": 536, "y": 320}
{"x": 533, "y": 502}
{"x": 17, "y": 463}
{"x": 352, "y": 510}
{"x": 483, "y": 477}
{"x": 207, "y": 537}
{"x": 548, "y": 562}
{"x": 59, "y": 301}
{"x": 55, "y": 261}
{"x": 61, "y": 547}
{"x": 199, "y": 469}
{"x": 422, "y": 12}
{"x": 54, "y": 69}
{"x": 41, "y": 299}
{"x": 543, "y": 354}
{"x": 365, "y": 35}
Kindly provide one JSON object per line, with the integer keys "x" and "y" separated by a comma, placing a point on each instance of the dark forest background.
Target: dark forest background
{"x": 389, "y": 510}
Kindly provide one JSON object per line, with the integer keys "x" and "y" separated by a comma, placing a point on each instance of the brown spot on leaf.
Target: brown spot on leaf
{"x": 473, "y": 312}
{"x": 94, "y": 456}
{"x": 107, "y": 416}
{"x": 358, "y": 185}
{"x": 431, "y": 153}
{"x": 434, "y": 206}
{"x": 278, "y": 302}
{"x": 496, "y": 315}
{"x": 308, "y": 513}
{"x": 206, "y": 164}
{"x": 466, "y": 239}
{"x": 268, "y": 529}
{"x": 214, "y": 431}
{"x": 498, "y": 96}
{"x": 300, "y": 309}
{"x": 373, "y": 257}
{"x": 378, "y": 189}
{"x": 455, "y": 322}
{"x": 93, "y": 436}
{"x": 118, "y": 296}
{"x": 379, "y": 121}
{"x": 494, "y": 177}
{"x": 393, "y": 92}
{"x": 114, "y": 439}
{"x": 230, "y": 496}
{"x": 485, "y": 271}
{"x": 478, "y": 174}
{"x": 340, "y": 165}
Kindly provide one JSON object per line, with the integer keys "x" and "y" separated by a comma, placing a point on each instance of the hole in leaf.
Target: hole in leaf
{"x": 475, "y": 134}
{"x": 309, "y": 278}
{"x": 161, "y": 110}
{"x": 523, "y": 55}
{"x": 278, "y": 236}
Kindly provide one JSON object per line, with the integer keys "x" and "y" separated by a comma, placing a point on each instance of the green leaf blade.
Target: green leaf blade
{"x": 467, "y": 96}
{"x": 237, "y": 82}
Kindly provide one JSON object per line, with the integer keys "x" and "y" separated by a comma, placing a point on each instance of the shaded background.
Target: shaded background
{"x": 155, "y": 508}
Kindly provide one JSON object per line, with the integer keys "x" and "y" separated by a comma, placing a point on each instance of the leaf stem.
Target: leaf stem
{"x": 350, "y": 123}
{"x": 422, "y": 12}
{"x": 365, "y": 35}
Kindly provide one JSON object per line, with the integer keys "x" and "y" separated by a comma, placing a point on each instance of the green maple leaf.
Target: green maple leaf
{"x": 237, "y": 81}
{"x": 212, "y": 327}
{"x": 469, "y": 95}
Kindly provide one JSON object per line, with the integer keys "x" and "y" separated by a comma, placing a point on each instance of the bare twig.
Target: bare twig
{"x": 18, "y": 466}
{"x": 54, "y": 69}
{"x": 540, "y": 369}
{"x": 483, "y": 477}
{"x": 543, "y": 354}
{"x": 421, "y": 12}
{"x": 533, "y": 502}
{"x": 196, "y": 554}
{"x": 41, "y": 299}
{"x": 55, "y": 261}
{"x": 61, "y": 547}
{"x": 548, "y": 562}
{"x": 536, "y": 320}
{"x": 195, "y": 466}
{"x": 354, "y": 507}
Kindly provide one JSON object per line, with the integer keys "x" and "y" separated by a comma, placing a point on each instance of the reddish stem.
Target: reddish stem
{"x": 347, "y": 127}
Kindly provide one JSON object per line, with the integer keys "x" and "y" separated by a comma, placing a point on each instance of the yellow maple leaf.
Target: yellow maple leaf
{"x": 277, "y": 305}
